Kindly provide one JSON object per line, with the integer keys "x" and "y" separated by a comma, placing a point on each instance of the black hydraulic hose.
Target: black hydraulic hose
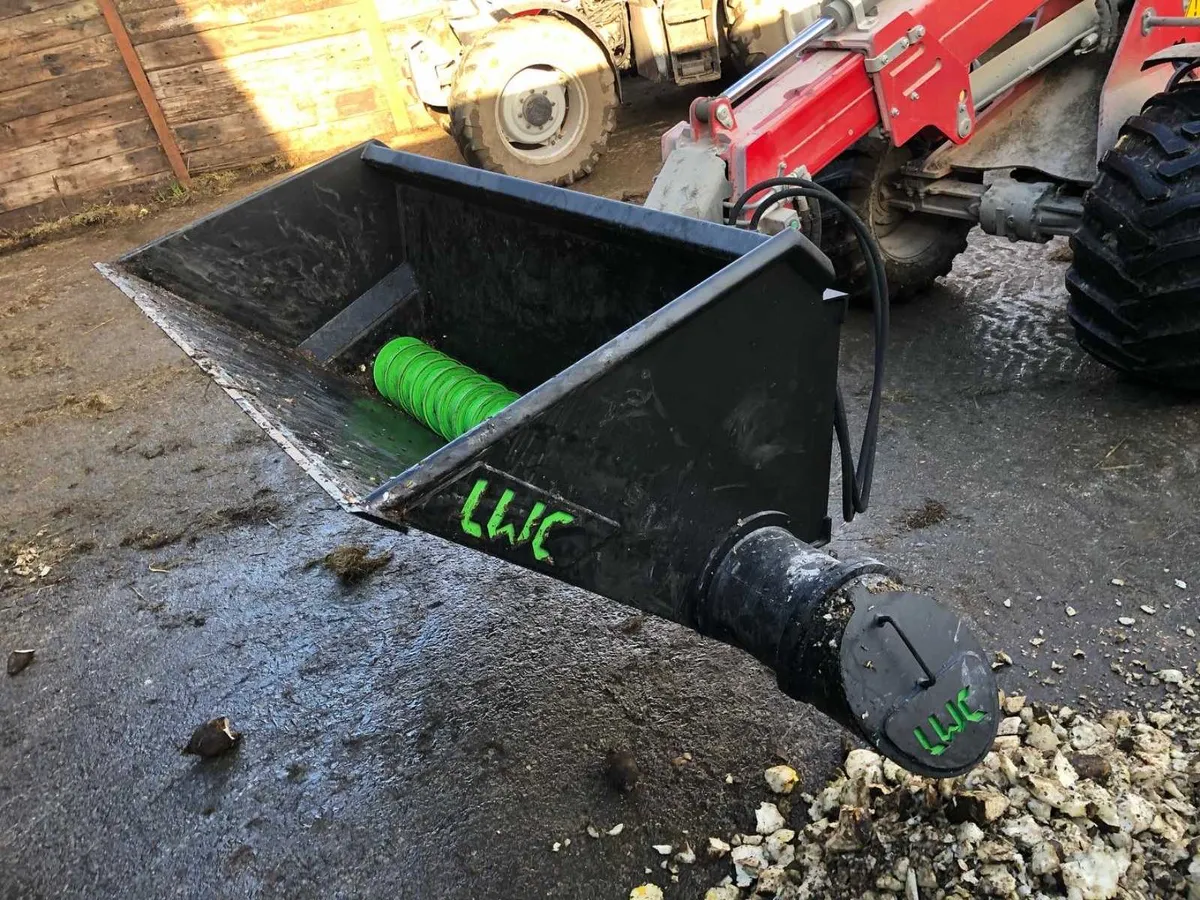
{"x": 856, "y": 480}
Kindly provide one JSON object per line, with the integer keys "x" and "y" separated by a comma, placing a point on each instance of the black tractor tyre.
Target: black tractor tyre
{"x": 487, "y": 70}
{"x": 1134, "y": 283}
{"x": 441, "y": 118}
{"x": 754, "y": 30}
{"x": 916, "y": 248}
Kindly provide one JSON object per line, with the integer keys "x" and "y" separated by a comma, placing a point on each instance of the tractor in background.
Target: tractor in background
{"x": 1028, "y": 118}
{"x": 531, "y": 87}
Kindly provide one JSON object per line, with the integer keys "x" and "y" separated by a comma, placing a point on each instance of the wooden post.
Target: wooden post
{"x": 385, "y": 66}
{"x": 145, "y": 91}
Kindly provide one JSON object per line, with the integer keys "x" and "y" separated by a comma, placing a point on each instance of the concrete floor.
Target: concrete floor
{"x": 434, "y": 730}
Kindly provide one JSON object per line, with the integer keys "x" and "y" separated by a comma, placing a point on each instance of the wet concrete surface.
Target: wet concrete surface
{"x": 432, "y": 731}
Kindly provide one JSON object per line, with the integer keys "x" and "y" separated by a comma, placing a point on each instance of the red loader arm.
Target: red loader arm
{"x": 907, "y": 71}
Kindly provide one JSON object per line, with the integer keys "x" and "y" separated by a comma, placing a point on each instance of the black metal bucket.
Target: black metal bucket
{"x": 677, "y": 381}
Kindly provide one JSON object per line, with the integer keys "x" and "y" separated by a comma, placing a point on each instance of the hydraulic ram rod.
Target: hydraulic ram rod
{"x": 779, "y": 60}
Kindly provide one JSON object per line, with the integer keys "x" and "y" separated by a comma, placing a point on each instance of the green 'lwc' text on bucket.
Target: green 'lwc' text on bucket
{"x": 534, "y": 531}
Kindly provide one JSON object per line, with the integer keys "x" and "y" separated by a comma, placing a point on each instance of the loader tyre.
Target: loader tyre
{"x": 754, "y": 29}
{"x": 1135, "y": 281}
{"x": 441, "y": 118}
{"x": 536, "y": 98}
{"x": 917, "y": 248}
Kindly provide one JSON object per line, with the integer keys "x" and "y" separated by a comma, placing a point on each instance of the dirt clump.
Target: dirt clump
{"x": 97, "y": 402}
{"x": 352, "y": 562}
{"x": 149, "y": 539}
{"x": 930, "y": 513}
{"x": 621, "y": 770}
{"x": 31, "y": 559}
{"x": 213, "y": 738}
{"x": 1062, "y": 253}
{"x": 259, "y": 511}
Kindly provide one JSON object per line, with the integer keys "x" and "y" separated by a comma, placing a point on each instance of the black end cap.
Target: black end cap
{"x": 918, "y": 684}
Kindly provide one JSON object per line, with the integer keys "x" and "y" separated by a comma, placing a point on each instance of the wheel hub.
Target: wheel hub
{"x": 538, "y": 109}
{"x": 540, "y": 112}
{"x": 533, "y": 107}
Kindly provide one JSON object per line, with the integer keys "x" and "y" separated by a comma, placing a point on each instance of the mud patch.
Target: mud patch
{"x": 1061, "y": 254}
{"x": 90, "y": 405}
{"x": 172, "y": 621}
{"x": 156, "y": 449}
{"x": 930, "y": 513}
{"x": 27, "y": 353}
{"x": 33, "y": 559}
{"x": 20, "y": 303}
{"x": 149, "y": 539}
{"x": 351, "y": 563}
{"x": 259, "y": 511}
{"x": 247, "y": 438}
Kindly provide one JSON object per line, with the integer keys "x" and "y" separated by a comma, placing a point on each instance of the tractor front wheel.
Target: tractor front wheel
{"x": 917, "y": 248}
{"x": 1135, "y": 280}
{"x": 536, "y": 98}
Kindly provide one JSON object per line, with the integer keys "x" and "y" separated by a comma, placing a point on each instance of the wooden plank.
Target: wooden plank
{"x": 93, "y": 175}
{"x": 179, "y": 19}
{"x": 266, "y": 97}
{"x": 145, "y": 92}
{"x": 65, "y": 91}
{"x": 389, "y": 78}
{"x": 50, "y": 28}
{"x": 355, "y": 103}
{"x": 67, "y": 120}
{"x": 134, "y": 190}
{"x": 131, "y": 7}
{"x": 13, "y": 8}
{"x": 399, "y": 10}
{"x": 42, "y": 65}
{"x": 237, "y": 39}
{"x": 241, "y": 126}
{"x": 305, "y": 143}
{"x": 282, "y": 113}
{"x": 389, "y": 10}
{"x": 50, "y": 156}
{"x": 261, "y": 69}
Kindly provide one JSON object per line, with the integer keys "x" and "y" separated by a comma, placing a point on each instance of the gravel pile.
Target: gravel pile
{"x": 1064, "y": 806}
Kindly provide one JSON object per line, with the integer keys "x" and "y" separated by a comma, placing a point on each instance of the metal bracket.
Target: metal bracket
{"x": 864, "y": 19}
{"x": 965, "y": 126}
{"x": 878, "y": 63}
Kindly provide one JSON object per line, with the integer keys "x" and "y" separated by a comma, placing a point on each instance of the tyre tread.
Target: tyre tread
{"x": 1134, "y": 284}
{"x": 473, "y": 84}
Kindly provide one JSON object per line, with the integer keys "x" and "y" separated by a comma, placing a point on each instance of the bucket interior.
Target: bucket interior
{"x": 287, "y": 296}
